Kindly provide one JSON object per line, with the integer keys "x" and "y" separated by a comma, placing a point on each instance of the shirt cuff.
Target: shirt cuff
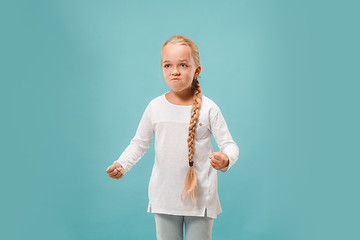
{"x": 227, "y": 167}
{"x": 224, "y": 169}
{"x": 122, "y": 165}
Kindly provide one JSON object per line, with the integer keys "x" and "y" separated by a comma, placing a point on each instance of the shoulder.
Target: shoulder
{"x": 209, "y": 110}
{"x": 154, "y": 100}
{"x": 209, "y": 104}
{"x": 154, "y": 103}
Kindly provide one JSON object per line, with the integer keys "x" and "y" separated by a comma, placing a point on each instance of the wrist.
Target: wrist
{"x": 227, "y": 161}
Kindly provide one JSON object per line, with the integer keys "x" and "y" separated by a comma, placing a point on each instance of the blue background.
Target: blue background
{"x": 77, "y": 75}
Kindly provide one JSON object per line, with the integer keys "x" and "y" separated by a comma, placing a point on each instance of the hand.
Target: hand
{"x": 115, "y": 171}
{"x": 219, "y": 160}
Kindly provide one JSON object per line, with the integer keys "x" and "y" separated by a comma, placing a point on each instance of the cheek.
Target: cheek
{"x": 191, "y": 73}
{"x": 166, "y": 72}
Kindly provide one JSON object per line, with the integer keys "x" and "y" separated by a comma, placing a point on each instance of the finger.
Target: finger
{"x": 120, "y": 169}
{"x": 218, "y": 156}
{"x": 216, "y": 161}
{"x": 114, "y": 166}
{"x": 113, "y": 173}
{"x": 119, "y": 174}
{"x": 110, "y": 169}
{"x": 215, "y": 165}
{"x": 114, "y": 176}
{"x": 213, "y": 161}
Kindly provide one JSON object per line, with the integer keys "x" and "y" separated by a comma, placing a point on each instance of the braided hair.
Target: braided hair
{"x": 191, "y": 181}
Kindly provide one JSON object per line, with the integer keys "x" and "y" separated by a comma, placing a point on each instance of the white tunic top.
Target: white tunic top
{"x": 170, "y": 123}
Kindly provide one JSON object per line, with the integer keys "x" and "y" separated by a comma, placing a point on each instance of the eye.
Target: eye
{"x": 184, "y": 64}
{"x": 166, "y": 65}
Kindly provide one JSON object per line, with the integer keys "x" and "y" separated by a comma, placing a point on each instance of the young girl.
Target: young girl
{"x": 185, "y": 166}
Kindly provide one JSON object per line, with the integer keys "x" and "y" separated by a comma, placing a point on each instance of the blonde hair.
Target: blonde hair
{"x": 190, "y": 181}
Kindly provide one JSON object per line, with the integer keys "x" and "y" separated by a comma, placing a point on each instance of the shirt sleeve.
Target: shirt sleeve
{"x": 139, "y": 144}
{"x": 222, "y": 136}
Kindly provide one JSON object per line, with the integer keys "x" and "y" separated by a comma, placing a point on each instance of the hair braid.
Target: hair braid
{"x": 191, "y": 181}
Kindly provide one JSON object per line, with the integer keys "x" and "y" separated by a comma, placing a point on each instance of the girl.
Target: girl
{"x": 185, "y": 166}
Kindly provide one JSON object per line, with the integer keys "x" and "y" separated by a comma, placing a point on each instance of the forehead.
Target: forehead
{"x": 174, "y": 53}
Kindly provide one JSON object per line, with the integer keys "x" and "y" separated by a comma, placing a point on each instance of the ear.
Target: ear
{"x": 197, "y": 71}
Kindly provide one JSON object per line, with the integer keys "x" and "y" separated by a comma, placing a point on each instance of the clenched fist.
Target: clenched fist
{"x": 219, "y": 160}
{"x": 115, "y": 171}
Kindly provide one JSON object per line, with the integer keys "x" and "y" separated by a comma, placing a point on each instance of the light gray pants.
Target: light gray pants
{"x": 170, "y": 227}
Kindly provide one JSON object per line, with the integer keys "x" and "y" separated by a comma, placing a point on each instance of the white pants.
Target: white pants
{"x": 170, "y": 227}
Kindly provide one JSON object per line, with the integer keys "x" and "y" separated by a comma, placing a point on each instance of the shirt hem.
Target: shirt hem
{"x": 201, "y": 213}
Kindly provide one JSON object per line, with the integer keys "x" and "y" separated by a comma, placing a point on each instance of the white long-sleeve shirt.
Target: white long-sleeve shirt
{"x": 170, "y": 123}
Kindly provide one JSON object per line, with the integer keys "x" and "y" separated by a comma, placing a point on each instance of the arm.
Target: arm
{"x": 139, "y": 144}
{"x": 223, "y": 138}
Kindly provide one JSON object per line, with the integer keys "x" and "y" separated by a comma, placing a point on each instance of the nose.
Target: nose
{"x": 175, "y": 71}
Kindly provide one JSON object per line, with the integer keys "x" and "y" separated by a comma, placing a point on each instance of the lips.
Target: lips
{"x": 175, "y": 79}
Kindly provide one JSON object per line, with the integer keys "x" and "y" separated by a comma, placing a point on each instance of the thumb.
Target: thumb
{"x": 120, "y": 169}
{"x": 216, "y": 155}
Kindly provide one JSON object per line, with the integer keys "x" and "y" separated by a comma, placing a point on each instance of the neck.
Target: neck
{"x": 184, "y": 95}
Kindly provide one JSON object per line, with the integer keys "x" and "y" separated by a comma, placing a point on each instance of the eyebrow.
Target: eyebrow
{"x": 181, "y": 60}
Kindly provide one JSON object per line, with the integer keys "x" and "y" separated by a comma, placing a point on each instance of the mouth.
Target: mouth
{"x": 175, "y": 79}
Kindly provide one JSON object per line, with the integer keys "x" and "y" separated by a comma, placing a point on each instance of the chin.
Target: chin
{"x": 176, "y": 89}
